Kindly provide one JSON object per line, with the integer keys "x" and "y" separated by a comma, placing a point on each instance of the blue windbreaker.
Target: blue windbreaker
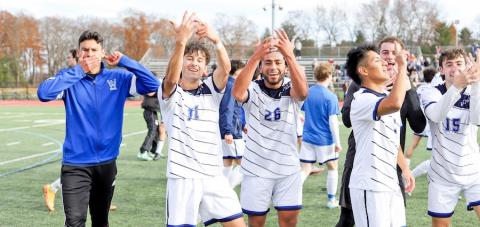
{"x": 94, "y": 108}
{"x": 231, "y": 119}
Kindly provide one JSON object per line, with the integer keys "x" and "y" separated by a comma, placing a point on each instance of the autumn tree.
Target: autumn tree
{"x": 136, "y": 31}
{"x": 237, "y": 33}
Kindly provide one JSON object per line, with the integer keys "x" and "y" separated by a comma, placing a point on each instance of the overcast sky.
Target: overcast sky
{"x": 466, "y": 11}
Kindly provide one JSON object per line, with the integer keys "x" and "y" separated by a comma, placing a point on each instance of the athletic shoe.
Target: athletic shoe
{"x": 144, "y": 156}
{"x": 156, "y": 156}
{"x": 113, "y": 207}
{"x": 49, "y": 197}
{"x": 331, "y": 204}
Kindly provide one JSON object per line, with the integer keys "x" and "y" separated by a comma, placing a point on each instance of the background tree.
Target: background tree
{"x": 238, "y": 33}
{"x": 465, "y": 37}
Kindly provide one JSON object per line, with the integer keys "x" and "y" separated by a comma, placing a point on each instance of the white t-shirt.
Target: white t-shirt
{"x": 191, "y": 120}
{"x": 271, "y": 141}
{"x": 377, "y": 142}
{"x": 455, "y": 153}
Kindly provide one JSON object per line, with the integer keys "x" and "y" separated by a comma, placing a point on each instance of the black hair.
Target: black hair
{"x": 354, "y": 57}
{"x": 73, "y": 53}
{"x": 236, "y": 65}
{"x": 428, "y": 74}
{"x": 90, "y": 35}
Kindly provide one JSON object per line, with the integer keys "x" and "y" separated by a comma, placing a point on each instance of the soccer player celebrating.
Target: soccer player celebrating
{"x": 270, "y": 164}
{"x": 453, "y": 110}
{"x": 190, "y": 107}
{"x": 376, "y": 197}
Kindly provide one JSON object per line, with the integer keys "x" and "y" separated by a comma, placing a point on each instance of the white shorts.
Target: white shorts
{"x": 234, "y": 150}
{"x": 311, "y": 153}
{"x": 211, "y": 198}
{"x": 258, "y": 193}
{"x": 443, "y": 197}
{"x": 373, "y": 208}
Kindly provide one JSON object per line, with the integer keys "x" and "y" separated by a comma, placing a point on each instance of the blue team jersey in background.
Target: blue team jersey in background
{"x": 320, "y": 104}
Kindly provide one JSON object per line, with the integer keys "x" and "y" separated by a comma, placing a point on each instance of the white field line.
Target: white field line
{"x": 26, "y": 127}
{"x": 123, "y": 145}
{"x": 28, "y": 157}
{"x": 47, "y": 144}
{"x": 13, "y": 143}
{"x": 59, "y": 150}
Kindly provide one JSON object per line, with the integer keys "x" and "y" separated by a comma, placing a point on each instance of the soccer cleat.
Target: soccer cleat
{"x": 156, "y": 156}
{"x": 113, "y": 207}
{"x": 331, "y": 204}
{"x": 144, "y": 156}
{"x": 49, "y": 197}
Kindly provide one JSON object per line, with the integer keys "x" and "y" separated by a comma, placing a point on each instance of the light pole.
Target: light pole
{"x": 456, "y": 22}
{"x": 274, "y": 5}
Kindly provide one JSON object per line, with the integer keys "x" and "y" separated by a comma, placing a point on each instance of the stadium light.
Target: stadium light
{"x": 275, "y": 6}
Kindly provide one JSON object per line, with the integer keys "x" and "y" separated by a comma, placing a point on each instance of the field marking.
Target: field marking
{"x": 59, "y": 150}
{"x": 31, "y": 126}
{"x": 123, "y": 145}
{"x": 28, "y": 157}
{"x": 13, "y": 143}
{"x": 47, "y": 144}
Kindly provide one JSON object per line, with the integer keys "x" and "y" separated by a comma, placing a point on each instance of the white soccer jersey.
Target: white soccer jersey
{"x": 455, "y": 153}
{"x": 271, "y": 147}
{"x": 191, "y": 121}
{"x": 377, "y": 143}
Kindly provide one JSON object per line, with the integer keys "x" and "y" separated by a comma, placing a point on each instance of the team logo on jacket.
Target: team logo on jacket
{"x": 112, "y": 84}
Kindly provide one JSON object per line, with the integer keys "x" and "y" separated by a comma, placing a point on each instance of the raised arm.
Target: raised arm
{"x": 416, "y": 118}
{"x": 145, "y": 81}
{"x": 220, "y": 75}
{"x": 475, "y": 91}
{"x": 297, "y": 74}
{"x": 242, "y": 82}
{"x": 52, "y": 87}
{"x": 394, "y": 101}
{"x": 182, "y": 33}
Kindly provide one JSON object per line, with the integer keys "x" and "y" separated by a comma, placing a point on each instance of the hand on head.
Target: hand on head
{"x": 114, "y": 58}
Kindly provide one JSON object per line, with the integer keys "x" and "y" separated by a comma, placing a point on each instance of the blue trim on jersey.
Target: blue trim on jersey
{"x": 255, "y": 213}
{"x": 429, "y": 149}
{"x": 227, "y": 219}
{"x": 182, "y": 225}
{"x": 374, "y": 114}
{"x": 473, "y": 204}
{"x": 232, "y": 157}
{"x": 329, "y": 160}
{"x": 429, "y": 104}
{"x": 286, "y": 208}
{"x": 368, "y": 90}
{"x": 307, "y": 161}
{"x": 440, "y": 215}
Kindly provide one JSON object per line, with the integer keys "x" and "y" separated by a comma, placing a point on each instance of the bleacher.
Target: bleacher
{"x": 159, "y": 66}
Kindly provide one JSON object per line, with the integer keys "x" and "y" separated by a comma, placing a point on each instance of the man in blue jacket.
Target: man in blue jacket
{"x": 231, "y": 127}
{"x": 94, "y": 97}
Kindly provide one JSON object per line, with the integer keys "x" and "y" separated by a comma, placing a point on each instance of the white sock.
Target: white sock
{"x": 160, "y": 144}
{"x": 332, "y": 182}
{"x": 56, "y": 185}
{"x": 421, "y": 168}
{"x": 227, "y": 170}
{"x": 236, "y": 177}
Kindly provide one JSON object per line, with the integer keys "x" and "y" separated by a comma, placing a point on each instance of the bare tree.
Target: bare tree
{"x": 162, "y": 37}
{"x": 331, "y": 21}
{"x": 372, "y": 18}
{"x": 58, "y": 36}
{"x": 302, "y": 23}
{"x": 237, "y": 33}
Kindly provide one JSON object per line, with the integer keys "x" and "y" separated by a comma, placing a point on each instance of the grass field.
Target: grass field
{"x": 32, "y": 135}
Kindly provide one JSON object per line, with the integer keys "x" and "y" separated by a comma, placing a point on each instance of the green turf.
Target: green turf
{"x": 140, "y": 186}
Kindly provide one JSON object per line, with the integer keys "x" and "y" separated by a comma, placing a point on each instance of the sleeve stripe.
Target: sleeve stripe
{"x": 374, "y": 114}
{"x": 133, "y": 86}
